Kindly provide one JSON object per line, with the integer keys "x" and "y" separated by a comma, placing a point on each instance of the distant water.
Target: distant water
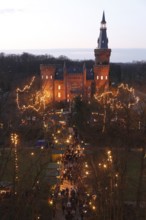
{"x": 117, "y": 55}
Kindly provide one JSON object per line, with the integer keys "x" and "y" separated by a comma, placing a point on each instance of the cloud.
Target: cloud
{"x": 10, "y": 10}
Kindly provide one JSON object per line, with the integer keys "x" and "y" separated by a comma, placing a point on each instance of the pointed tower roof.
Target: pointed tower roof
{"x": 103, "y": 40}
{"x": 103, "y": 18}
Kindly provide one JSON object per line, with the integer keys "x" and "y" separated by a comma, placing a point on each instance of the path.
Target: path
{"x": 68, "y": 204}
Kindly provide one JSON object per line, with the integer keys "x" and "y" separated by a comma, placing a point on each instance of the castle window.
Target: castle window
{"x": 46, "y": 77}
{"x": 51, "y": 77}
{"x": 42, "y": 77}
{"x": 59, "y": 87}
{"x": 106, "y": 77}
{"x": 59, "y": 94}
{"x": 101, "y": 77}
{"x": 97, "y": 77}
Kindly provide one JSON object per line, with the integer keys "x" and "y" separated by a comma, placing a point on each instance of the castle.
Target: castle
{"x": 63, "y": 83}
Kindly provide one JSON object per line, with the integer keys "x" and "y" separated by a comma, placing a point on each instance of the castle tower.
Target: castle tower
{"x": 84, "y": 80}
{"x": 48, "y": 77}
{"x": 65, "y": 80}
{"x": 102, "y": 57}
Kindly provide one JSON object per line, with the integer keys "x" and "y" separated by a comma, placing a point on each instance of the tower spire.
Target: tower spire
{"x": 103, "y": 18}
{"x": 103, "y": 40}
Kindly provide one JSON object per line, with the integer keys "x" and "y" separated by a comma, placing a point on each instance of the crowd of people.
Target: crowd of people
{"x": 72, "y": 198}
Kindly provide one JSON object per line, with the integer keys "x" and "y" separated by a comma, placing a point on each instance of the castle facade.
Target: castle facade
{"x": 63, "y": 83}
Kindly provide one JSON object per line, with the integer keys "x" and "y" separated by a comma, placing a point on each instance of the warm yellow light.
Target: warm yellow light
{"x": 93, "y": 207}
{"x": 59, "y": 94}
{"x": 109, "y": 152}
{"x": 104, "y": 165}
{"x": 51, "y": 202}
{"x": 32, "y": 154}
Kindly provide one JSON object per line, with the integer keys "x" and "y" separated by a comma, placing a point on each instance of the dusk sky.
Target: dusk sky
{"x": 43, "y": 24}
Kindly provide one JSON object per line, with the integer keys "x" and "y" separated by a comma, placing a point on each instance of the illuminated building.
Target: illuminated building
{"x": 64, "y": 83}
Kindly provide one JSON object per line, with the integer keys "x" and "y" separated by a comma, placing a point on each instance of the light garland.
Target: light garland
{"x": 14, "y": 140}
{"x": 39, "y": 98}
{"x": 123, "y": 98}
{"x": 113, "y": 98}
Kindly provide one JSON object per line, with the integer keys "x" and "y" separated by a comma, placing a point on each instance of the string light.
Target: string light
{"x": 123, "y": 98}
{"x": 113, "y": 98}
{"x": 36, "y": 100}
{"x": 14, "y": 140}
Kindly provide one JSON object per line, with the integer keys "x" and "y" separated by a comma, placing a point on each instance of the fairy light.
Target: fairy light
{"x": 116, "y": 175}
{"x": 87, "y": 172}
{"x": 93, "y": 207}
{"x": 67, "y": 141}
{"x": 32, "y": 153}
{"x": 14, "y": 140}
{"x": 109, "y": 152}
{"x": 112, "y": 98}
{"x": 51, "y": 202}
{"x": 104, "y": 166}
{"x": 36, "y": 100}
{"x": 124, "y": 97}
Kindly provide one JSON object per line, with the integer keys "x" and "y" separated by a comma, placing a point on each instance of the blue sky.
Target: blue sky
{"x": 43, "y": 24}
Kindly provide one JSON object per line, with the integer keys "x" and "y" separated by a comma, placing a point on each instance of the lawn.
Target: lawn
{"x": 128, "y": 162}
{"x": 32, "y": 164}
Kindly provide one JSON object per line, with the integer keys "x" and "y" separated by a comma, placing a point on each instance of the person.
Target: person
{"x": 68, "y": 205}
{"x": 73, "y": 212}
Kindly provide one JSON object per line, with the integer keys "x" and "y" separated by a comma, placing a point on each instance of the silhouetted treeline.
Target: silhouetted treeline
{"x": 133, "y": 74}
{"x": 15, "y": 68}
